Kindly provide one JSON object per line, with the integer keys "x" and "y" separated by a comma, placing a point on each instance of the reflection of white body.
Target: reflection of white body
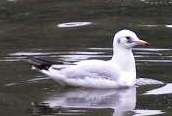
{"x": 118, "y": 72}
{"x": 119, "y": 100}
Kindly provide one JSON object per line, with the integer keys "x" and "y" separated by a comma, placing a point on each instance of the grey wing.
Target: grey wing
{"x": 91, "y": 69}
{"x": 81, "y": 74}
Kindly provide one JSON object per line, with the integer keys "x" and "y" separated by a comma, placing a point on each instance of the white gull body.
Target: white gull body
{"x": 119, "y": 71}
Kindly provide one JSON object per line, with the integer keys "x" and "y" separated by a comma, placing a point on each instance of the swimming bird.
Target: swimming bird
{"x": 119, "y": 71}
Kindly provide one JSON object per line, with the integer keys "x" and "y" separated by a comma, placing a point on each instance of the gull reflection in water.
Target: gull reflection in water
{"x": 85, "y": 101}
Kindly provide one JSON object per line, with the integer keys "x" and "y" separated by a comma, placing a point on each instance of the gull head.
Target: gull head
{"x": 127, "y": 39}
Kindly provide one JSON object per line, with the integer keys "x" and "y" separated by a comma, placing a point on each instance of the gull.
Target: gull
{"x": 119, "y": 71}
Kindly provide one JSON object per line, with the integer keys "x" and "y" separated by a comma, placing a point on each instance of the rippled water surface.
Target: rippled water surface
{"x": 73, "y": 30}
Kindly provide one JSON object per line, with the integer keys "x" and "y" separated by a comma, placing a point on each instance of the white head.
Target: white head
{"x": 123, "y": 57}
{"x": 127, "y": 39}
{"x": 124, "y": 41}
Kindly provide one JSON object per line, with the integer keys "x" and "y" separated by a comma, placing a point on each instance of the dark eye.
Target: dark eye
{"x": 128, "y": 39}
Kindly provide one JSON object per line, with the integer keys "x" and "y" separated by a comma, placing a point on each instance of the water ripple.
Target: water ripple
{"x": 147, "y": 112}
{"x": 149, "y": 55}
{"x": 162, "y": 90}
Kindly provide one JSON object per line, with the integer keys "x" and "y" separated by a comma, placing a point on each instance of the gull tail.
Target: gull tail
{"x": 39, "y": 63}
{"x": 43, "y": 66}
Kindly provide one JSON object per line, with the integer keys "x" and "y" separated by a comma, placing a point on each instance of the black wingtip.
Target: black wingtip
{"x": 42, "y": 66}
{"x": 38, "y": 63}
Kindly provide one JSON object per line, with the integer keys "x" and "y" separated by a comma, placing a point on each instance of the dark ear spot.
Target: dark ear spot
{"x": 119, "y": 41}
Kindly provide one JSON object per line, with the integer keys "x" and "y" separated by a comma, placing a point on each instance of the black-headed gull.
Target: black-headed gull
{"x": 119, "y": 71}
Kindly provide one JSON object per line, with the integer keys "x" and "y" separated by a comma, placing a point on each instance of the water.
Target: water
{"x": 32, "y": 28}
